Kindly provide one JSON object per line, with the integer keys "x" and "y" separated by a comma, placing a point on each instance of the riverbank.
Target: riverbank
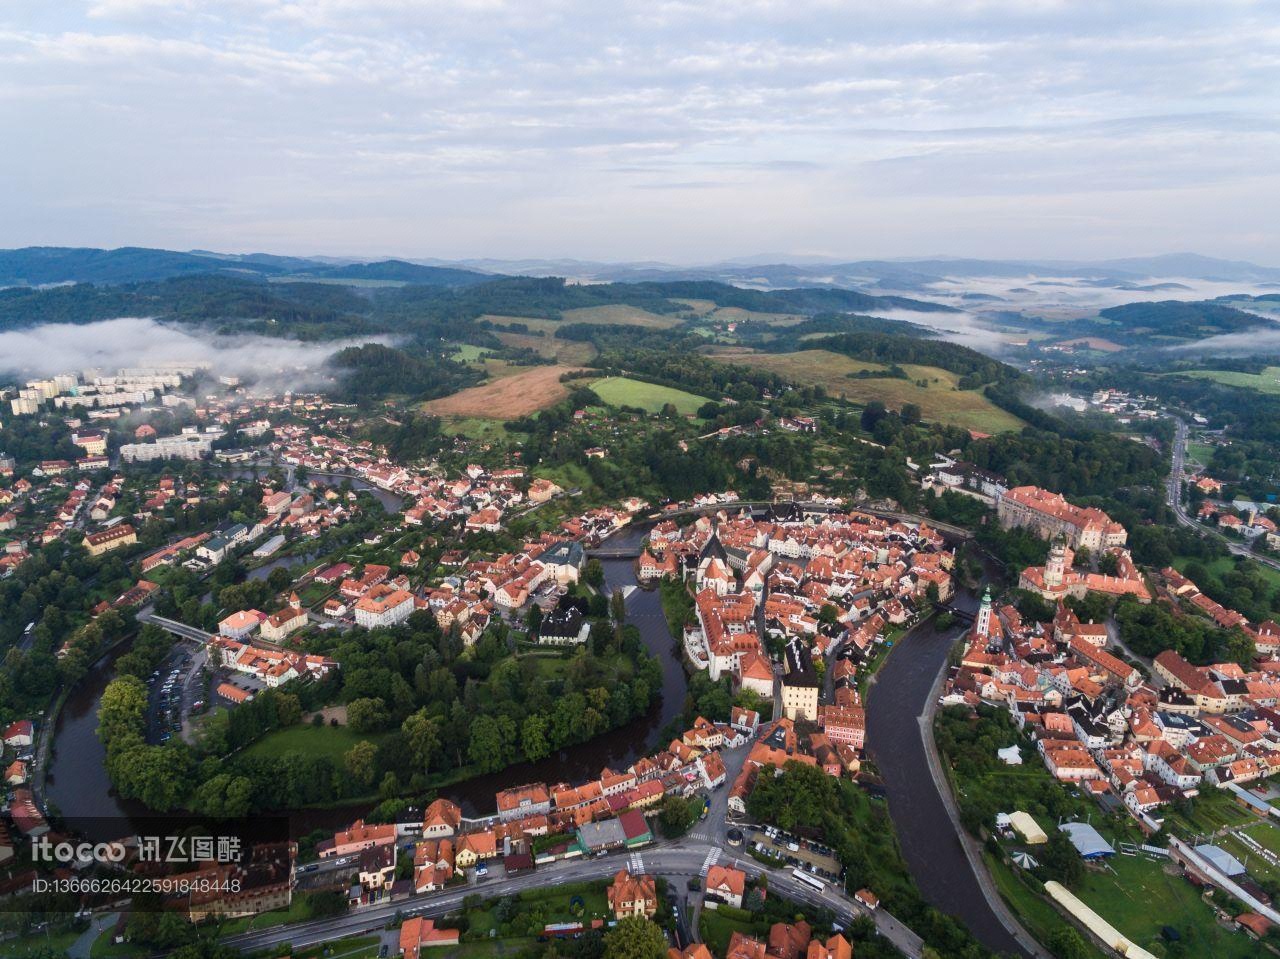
{"x": 899, "y": 744}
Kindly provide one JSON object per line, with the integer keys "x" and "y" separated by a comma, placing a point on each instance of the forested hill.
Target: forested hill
{"x": 315, "y": 310}
{"x": 1175, "y": 319}
{"x": 807, "y": 300}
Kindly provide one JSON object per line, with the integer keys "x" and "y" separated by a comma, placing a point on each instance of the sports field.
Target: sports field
{"x": 621, "y": 391}
{"x": 939, "y": 400}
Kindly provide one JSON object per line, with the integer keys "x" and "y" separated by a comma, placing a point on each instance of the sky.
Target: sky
{"x": 671, "y": 131}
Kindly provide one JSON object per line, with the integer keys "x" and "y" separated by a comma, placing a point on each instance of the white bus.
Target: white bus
{"x": 813, "y": 882}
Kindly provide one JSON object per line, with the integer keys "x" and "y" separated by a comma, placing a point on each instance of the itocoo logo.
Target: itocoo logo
{"x": 42, "y": 850}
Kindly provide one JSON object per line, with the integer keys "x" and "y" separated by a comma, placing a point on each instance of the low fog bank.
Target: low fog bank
{"x": 966, "y": 329}
{"x": 1260, "y": 341}
{"x": 109, "y": 345}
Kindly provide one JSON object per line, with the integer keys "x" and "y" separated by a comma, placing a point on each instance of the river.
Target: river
{"x": 898, "y": 698}
{"x": 78, "y": 783}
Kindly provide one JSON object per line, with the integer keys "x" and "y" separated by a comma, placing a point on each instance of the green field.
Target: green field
{"x": 621, "y": 391}
{"x": 1224, "y": 564}
{"x": 331, "y": 741}
{"x": 1268, "y": 381}
{"x": 1036, "y": 913}
{"x": 38, "y": 944}
{"x": 467, "y": 353}
{"x": 717, "y": 929}
{"x": 1200, "y": 452}
{"x": 939, "y": 399}
{"x": 1139, "y": 898}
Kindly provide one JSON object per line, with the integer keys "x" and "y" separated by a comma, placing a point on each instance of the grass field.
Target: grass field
{"x": 1224, "y": 564}
{"x": 1200, "y": 452}
{"x": 1268, "y": 381}
{"x": 621, "y": 315}
{"x": 331, "y": 741}
{"x": 508, "y": 397}
{"x": 717, "y": 929}
{"x": 735, "y": 314}
{"x": 939, "y": 401}
{"x": 38, "y": 944}
{"x": 621, "y": 391}
{"x": 545, "y": 344}
{"x": 1038, "y": 915}
{"x": 467, "y": 353}
{"x": 1139, "y": 898}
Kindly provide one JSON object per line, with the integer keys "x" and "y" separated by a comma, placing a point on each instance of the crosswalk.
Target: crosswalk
{"x": 713, "y": 856}
{"x": 637, "y": 863}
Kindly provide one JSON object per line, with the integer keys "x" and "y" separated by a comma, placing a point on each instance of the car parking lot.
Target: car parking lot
{"x": 175, "y": 691}
{"x": 804, "y": 854}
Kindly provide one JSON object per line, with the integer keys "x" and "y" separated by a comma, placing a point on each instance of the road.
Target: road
{"x": 147, "y": 615}
{"x": 684, "y": 858}
{"x": 1173, "y": 495}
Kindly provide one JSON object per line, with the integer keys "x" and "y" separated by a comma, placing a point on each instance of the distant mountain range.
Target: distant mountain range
{"x": 49, "y": 265}
{"x": 41, "y": 266}
{"x": 1135, "y": 273}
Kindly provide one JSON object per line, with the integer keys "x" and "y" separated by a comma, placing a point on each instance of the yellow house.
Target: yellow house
{"x": 108, "y": 539}
{"x": 473, "y": 847}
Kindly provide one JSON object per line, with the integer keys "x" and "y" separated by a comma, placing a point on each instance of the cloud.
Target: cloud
{"x": 488, "y": 127}
{"x": 110, "y": 345}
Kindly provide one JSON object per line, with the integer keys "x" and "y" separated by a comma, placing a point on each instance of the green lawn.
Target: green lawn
{"x": 39, "y": 944}
{"x": 1037, "y": 914}
{"x": 298, "y": 911}
{"x": 621, "y": 391}
{"x": 1257, "y": 867}
{"x": 355, "y": 947}
{"x": 468, "y": 353}
{"x": 1139, "y": 898}
{"x": 485, "y": 950}
{"x": 1201, "y": 452}
{"x": 331, "y": 741}
{"x": 567, "y": 476}
{"x": 1265, "y": 834}
{"x": 1224, "y": 564}
{"x": 1268, "y": 381}
{"x": 717, "y": 929}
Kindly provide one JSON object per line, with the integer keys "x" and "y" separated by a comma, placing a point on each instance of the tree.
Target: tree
{"x": 361, "y": 762}
{"x": 533, "y": 738}
{"x": 635, "y": 938}
{"x": 1066, "y": 943}
{"x": 491, "y": 741}
{"x": 676, "y": 816}
{"x": 367, "y": 714}
{"x": 225, "y": 796}
{"x": 533, "y": 619}
{"x": 593, "y": 573}
{"x": 422, "y": 733}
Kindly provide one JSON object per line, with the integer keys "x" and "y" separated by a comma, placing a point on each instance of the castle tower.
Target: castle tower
{"x": 1056, "y": 565}
{"x": 982, "y": 621}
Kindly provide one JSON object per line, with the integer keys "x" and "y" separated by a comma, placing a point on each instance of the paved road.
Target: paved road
{"x": 1173, "y": 491}
{"x": 682, "y": 859}
{"x": 147, "y": 615}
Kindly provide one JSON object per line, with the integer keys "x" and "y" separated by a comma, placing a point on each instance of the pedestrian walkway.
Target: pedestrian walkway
{"x": 713, "y": 856}
{"x": 637, "y": 863}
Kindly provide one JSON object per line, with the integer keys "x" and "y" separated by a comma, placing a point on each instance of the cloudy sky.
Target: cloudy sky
{"x": 676, "y": 131}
